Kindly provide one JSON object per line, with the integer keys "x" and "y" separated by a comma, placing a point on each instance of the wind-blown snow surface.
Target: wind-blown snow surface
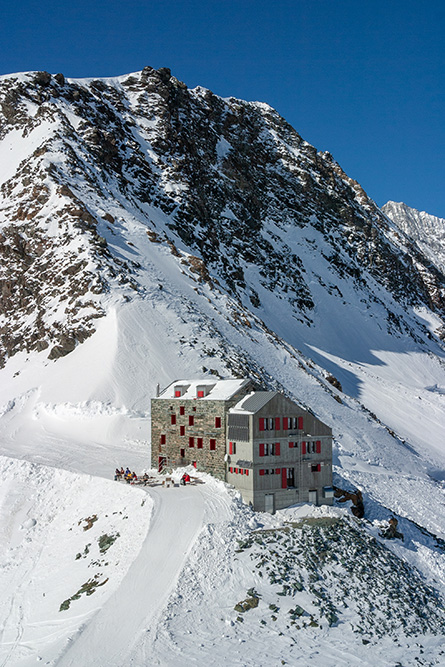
{"x": 88, "y": 412}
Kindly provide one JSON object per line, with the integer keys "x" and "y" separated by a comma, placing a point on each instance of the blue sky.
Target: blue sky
{"x": 363, "y": 80}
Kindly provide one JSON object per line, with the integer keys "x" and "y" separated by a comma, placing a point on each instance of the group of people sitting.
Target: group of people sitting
{"x": 132, "y": 478}
{"x": 129, "y": 477}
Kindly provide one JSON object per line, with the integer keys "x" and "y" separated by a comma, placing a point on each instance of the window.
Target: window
{"x": 290, "y": 478}
{"x": 182, "y": 453}
{"x": 199, "y": 443}
{"x": 191, "y": 420}
{"x": 200, "y": 393}
{"x": 178, "y": 393}
{"x": 269, "y": 449}
{"x": 217, "y": 422}
{"x": 162, "y": 439}
{"x": 261, "y": 472}
{"x": 191, "y": 442}
{"x": 267, "y": 424}
{"x": 181, "y": 410}
{"x": 294, "y": 423}
{"x": 232, "y": 447}
{"x": 315, "y": 467}
{"x": 182, "y": 430}
{"x": 292, "y": 444}
{"x": 212, "y": 445}
{"x": 173, "y": 419}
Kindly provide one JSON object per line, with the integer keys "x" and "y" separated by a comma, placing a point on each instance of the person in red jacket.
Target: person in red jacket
{"x": 185, "y": 478}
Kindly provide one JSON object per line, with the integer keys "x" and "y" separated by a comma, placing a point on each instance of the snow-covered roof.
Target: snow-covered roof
{"x": 254, "y": 401}
{"x": 202, "y": 389}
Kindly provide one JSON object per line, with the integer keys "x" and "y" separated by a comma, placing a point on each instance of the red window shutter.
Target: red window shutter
{"x": 200, "y": 394}
{"x": 212, "y": 444}
{"x": 182, "y": 430}
{"x": 284, "y": 478}
{"x": 241, "y": 470}
{"x": 191, "y": 442}
{"x": 173, "y": 419}
{"x": 291, "y": 444}
{"x": 303, "y": 448}
{"x": 217, "y": 422}
{"x": 319, "y": 467}
{"x": 277, "y": 471}
{"x": 191, "y": 420}
{"x": 163, "y": 439}
{"x": 277, "y": 423}
{"x": 318, "y": 446}
{"x": 277, "y": 449}
{"x": 261, "y": 423}
{"x": 247, "y": 473}
{"x": 261, "y": 472}
{"x": 181, "y": 410}
{"x": 230, "y": 447}
{"x": 178, "y": 393}
{"x": 300, "y": 423}
{"x": 230, "y": 469}
{"x": 199, "y": 443}
{"x": 236, "y": 471}
{"x": 261, "y": 448}
{"x": 285, "y": 423}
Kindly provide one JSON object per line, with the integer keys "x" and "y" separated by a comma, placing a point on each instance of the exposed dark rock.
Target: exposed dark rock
{"x": 42, "y": 78}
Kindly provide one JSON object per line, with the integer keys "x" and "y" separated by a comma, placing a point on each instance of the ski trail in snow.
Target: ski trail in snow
{"x": 127, "y": 622}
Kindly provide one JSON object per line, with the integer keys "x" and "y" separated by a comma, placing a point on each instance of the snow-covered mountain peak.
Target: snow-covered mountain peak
{"x": 427, "y": 231}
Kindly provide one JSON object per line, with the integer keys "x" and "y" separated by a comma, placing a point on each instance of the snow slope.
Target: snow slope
{"x": 168, "y": 587}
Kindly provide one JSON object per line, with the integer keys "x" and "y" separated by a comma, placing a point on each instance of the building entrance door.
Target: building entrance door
{"x": 269, "y": 505}
{"x": 162, "y": 461}
{"x": 313, "y": 497}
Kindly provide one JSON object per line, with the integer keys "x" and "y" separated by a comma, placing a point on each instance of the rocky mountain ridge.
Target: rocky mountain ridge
{"x": 227, "y": 186}
{"x": 426, "y": 231}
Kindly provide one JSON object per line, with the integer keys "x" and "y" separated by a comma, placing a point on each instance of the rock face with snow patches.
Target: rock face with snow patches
{"x": 228, "y": 186}
{"x": 425, "y": 230}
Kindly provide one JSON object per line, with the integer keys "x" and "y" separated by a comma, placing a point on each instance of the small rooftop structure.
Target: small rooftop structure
{"x": 213, "y": 390}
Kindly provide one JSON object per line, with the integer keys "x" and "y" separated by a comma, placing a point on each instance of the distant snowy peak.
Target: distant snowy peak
{"x": 428, "y": 231}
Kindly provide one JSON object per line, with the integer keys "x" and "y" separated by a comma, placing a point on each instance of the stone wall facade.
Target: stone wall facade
{"x": 185, "y": 432}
